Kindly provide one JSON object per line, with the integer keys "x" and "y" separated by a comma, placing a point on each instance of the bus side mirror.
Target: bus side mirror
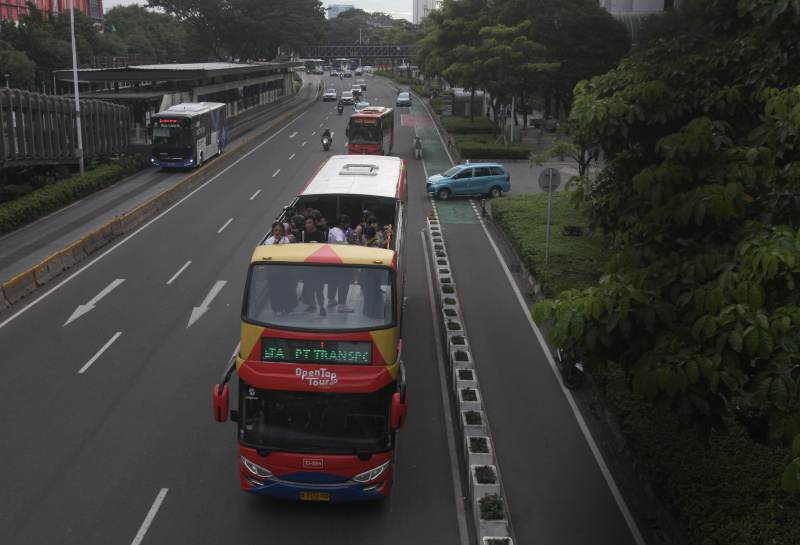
{"x": 221, "y": 402}
{"x": 399, "y": 411}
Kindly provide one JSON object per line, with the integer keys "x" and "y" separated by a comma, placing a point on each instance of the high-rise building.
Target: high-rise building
{"x": 335, "y": 9}
{"x": 421, "y": 9}
{"x": 12, "y": 9}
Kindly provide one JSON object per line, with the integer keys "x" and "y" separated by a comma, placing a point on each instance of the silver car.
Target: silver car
{"x": 330, "y": 94}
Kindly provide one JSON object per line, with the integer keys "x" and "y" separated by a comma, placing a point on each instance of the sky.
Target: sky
{"x": 398, "y": 9}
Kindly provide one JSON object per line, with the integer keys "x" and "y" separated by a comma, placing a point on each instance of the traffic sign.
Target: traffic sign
{"x": 550, "y": 179}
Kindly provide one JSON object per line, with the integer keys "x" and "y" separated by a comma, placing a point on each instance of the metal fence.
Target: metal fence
{"x": 42, "y": 129}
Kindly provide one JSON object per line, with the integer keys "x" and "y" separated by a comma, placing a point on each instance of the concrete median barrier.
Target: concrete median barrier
{"x": 45, "y": 271}
{"x": 17, "y": 288}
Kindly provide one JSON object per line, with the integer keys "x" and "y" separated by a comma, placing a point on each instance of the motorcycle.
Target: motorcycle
{"x": 571, "y": 371}
{"x": 326, "y": 143}
{"x": 340, "y": 108}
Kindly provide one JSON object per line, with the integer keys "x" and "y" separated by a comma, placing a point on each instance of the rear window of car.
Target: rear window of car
{"x": 403, "y": 95}
{"x": 497, "y": 171}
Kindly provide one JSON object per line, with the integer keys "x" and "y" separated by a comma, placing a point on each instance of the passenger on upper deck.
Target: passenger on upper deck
{"x": 277, "y": 234}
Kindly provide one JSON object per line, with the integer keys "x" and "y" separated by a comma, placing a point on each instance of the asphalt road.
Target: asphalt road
{"x": 108, "y": 433}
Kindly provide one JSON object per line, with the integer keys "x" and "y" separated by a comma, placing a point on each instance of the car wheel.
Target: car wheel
{"x": 495, "y": 192}
{"x": 443, "y": 194}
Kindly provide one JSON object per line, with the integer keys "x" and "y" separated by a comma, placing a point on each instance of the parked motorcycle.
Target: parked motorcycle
{"x": 326, "y": 143}
{"x": 571, "y": 371}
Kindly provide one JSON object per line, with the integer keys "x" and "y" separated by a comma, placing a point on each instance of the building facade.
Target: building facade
{"x": 11, "y": 10}
{"x": 335, "y": 9}
{"x": 421, "y": 8}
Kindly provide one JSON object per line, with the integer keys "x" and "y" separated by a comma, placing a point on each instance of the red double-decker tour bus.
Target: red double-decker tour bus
{"x": 322, "y": 394}
{"x": 371, "y": 131}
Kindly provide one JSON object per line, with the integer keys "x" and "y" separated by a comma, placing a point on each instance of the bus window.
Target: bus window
{"x": 274, "y": 290}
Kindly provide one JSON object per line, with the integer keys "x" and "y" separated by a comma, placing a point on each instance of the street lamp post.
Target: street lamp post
{"x": 79, "y": 151}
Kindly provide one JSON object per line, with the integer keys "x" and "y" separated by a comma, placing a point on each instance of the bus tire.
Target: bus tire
{"x": 495, "y": 192}
{"x": 443, "y": 194}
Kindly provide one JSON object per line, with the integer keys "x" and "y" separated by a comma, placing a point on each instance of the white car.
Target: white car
{"x": 330, "y": 94}
{"x": 360, "y": 106}
{"x": 347, "y": 98}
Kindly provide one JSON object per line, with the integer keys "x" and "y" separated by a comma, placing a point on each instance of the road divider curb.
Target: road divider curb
{"x": 20, "y": 286}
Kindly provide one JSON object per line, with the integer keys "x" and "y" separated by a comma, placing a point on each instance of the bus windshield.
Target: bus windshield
{"x": 274, "y": 291}
{"x": 366, "y": 133}
{"x": 172, "y": 137}
{"x": 321, "y": 422}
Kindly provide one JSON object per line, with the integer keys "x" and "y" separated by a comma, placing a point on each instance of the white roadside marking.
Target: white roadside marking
{"x": 224, "y": 226}
{"x": 150, "y": 516}
{"x": 83, "y": 309}
{"x": 612, "y": 485}
{"x": 254, "y": 194}
{"x": 100, "y": 352}
{"x": 179, "y": 272}
{"x": 203, "y": 308}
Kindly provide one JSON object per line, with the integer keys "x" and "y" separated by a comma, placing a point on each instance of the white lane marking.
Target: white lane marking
{"x": 224, "y": 226}
{"x": 203, "y": 308}
{"x": 150, "y": 516}
{"x": 143, "y": 227}
{"x": 292, "y": 156}
{"x": 448, "y": 417}
{"x": 179, "y": 272}
{"x": 293, "y": 135}
{"x": 276, "y": 173}
{"x": 612, "y": 485}
{"x": 313, "y": 133}
{"x": 254, "y": 194}
{"x": 303, "y": 144}
{"x": 100, "y": 352}
{"x": 83, "y": 309}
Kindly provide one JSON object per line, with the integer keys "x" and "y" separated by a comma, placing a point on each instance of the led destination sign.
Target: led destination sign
{"x": 308, "y": 351}
{"x": 364, "y": 120}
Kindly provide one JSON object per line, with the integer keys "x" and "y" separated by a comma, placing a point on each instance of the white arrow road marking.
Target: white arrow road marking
{"x": 203, "y": 308}
{"x": 83, "y": 309}
{"x": 100, "y": 353}
{"x": 293, "y": 135}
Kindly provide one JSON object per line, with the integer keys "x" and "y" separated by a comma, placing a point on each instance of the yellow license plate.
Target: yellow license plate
{"x": 315, "y": 496}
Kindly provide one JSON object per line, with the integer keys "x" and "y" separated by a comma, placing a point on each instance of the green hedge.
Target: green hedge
{"x": 575, "y": 261}
{"x": 724, "y": 491}
{"x": 48, "y": 199}
{"x": 486, "y": 146}
{"x": 463, "y": 125}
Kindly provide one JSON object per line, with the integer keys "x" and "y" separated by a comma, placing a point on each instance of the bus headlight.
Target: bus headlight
{"x": 256, "y": 469}
{"x": 372, "y": 474}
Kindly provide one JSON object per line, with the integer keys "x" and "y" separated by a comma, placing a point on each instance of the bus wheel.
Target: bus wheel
{"x": 495, "y": 192}
{"x": 443, "y": 194}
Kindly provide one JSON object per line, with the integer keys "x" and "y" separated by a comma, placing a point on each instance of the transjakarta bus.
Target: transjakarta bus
{"x": 371, "y": 131}
{"x": 321, "y": 396}
{"x": 187, "y": 134}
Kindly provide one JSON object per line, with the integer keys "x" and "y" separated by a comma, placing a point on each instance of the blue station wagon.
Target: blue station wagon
{"x": 478, "y": 179}
{"x": 403, "y": 99}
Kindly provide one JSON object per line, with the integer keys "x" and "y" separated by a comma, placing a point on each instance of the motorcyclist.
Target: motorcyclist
{"x": 340, "y": 107}
{"x": 327, "y": 133}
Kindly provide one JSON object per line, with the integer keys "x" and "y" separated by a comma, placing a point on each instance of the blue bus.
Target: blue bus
{"x": 187, "y": 134}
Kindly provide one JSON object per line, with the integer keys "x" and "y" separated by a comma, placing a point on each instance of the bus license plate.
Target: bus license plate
{"x": 315, "y": 496}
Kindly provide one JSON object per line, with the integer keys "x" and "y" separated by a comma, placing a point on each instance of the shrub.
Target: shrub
{"x": 461, "y": 355}
{"x": 441, "y": 261}
{"x": 464, "y": 374}
{"x": 473, "y": 418}
{"x": 457, "y": 339}
{"x": 448, "y": 288}
{"x": 468, "y": 394}
{"x": 485, "y": 146}
{"x": 446, "y": 280}
{"x": 498, "y": 541}
{"x": 440, "y": 253}
{"x": 450, "y": 312}
{"x": 449, "y": 301}
{"x": 485, "y": 475}
{"x": 453, "y": 326}
{"x": 463, "y": 125}
{"x": 491, "y": 507}
{"x": 479, "y": 445}
{"x": 444, "y": 271}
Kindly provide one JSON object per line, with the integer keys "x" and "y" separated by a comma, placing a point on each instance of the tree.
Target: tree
{"x": 18, "y": 66}
{"x": 700, "y": 195}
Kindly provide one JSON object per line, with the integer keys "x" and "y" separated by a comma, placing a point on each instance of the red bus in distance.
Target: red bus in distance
{"x": 371, "y": 131}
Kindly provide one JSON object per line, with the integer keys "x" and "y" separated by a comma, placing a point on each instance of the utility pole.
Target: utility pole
{"x": 78, "y": 151}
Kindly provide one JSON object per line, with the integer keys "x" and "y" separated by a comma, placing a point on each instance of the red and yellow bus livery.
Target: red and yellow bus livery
{"x": 371, "y": 131}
